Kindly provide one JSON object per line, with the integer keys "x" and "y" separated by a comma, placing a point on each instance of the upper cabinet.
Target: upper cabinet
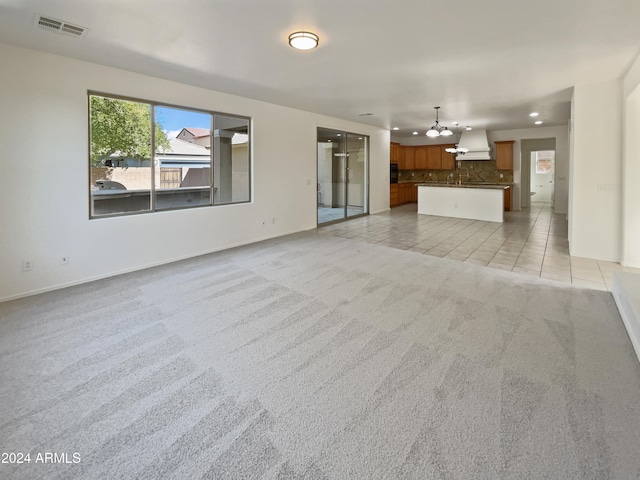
{"x": 448, "y": 159}
{"x": 396, "y": 153}
{"x": 422, "y": 157}
{"x": 504, "y": 155}
{"x": 420, "y": 153}
{"x": 434, "y": 157}
{"x": 409, "y": 158}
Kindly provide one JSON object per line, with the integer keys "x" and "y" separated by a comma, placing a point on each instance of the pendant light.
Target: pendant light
{"x": 436, "y": 130}
{"x": 456, "y": 148}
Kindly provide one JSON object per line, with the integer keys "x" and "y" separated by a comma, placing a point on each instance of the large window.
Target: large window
{"x": 199, "y": 158}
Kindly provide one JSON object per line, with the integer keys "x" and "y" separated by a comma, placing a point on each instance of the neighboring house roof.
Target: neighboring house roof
{"x": 181, "y": 147}
{"x": 197, "y": 132}
{"x": 184, "y": 154}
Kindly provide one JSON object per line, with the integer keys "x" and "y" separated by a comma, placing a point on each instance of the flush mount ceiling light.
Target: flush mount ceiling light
{"x": 534, "y": 114}
{"x": 436, "y": 130}
{"x": 303, "y": 40}
{"x": 538, "y": 122}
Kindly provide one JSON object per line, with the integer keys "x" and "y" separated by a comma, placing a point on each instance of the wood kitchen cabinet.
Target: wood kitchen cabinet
{"x": 420, "y": 157}
{"x": 395, "y": 151}
{"x": 402, "y": 193}
{"x": 393, "y": 194}
{"x": 434, "y": 157}
{"x": 507, "y": 199}
{"x": 409, "y": 154}
{"x": 504, "y": 155}
{"x": 428, "y": 157}
{"x": 448, "y": 159}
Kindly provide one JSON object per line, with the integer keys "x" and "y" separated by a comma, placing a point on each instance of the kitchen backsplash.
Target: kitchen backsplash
{"x": 480, "y": 171}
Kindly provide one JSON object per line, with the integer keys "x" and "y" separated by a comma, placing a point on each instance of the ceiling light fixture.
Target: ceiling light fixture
{"x": 436, "y": 130}
{"x": 456, "y": 148}
{"x": 396, "y": 128}
{"x": 303, "y": 40}
{"x": 539, "y": 122}
{"x": 534, "y": 114}
{"x": 468, "y": 129}
{"x": 415, "y": 133}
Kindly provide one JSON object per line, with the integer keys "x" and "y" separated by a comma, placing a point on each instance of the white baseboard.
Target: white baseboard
{"x": 81, "y": 281}
{"x": 626, "y": 293}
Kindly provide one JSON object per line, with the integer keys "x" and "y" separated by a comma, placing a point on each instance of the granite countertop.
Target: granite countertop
{"x": 492, "y": 186}
{"x": 451, "y": 184}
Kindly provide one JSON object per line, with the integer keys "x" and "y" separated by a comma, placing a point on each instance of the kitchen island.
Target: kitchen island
{"x": 473, "y": 201}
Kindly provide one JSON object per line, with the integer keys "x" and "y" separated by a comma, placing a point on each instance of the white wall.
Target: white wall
{"x": 422, "y": 139}
{"x": 44, "y": 206}
{"x": 595, "y": 213}
{"x": 631, "y": 169}
{"x": 562, "y": 160}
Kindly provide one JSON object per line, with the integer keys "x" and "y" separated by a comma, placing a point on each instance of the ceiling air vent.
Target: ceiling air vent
{"x": 60, "y": 27}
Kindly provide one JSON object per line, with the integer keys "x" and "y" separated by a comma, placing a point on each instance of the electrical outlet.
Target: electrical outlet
{"x": 64, "y": 259}
{"x": 27, "y": 266}
{"x": 502, "y": 175}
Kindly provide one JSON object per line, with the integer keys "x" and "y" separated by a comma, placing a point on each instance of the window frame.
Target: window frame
{"x": 152, "y": 203}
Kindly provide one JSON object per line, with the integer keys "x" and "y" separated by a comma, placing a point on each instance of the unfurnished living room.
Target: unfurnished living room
{"x": 320, "y": 240}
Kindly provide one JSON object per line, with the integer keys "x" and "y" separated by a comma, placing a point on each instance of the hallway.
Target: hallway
{"x": 532, "y": 241}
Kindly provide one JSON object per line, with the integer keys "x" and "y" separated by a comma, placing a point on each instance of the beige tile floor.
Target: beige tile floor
{"x": 532, "y": 241}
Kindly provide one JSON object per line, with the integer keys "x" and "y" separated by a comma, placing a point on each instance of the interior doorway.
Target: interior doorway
{"x": 542, "y": 173}
{"x": 343, "y": 172}
{"x": 531, "y": 189}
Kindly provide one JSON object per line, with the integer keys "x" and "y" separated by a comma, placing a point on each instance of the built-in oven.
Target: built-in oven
{"x": 393, "y": 176}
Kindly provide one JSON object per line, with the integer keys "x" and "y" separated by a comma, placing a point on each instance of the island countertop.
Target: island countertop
{"x": 466, "y": 185}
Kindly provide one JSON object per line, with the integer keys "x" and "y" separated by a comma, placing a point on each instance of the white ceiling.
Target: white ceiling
{"x": 486, "y": 63}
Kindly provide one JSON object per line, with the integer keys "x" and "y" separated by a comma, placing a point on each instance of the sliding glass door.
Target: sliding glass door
{"x": 343, "y": 161}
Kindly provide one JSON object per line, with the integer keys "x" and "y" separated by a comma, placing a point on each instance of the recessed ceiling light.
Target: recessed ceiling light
{"x": 415, "y": 133}
{"x": 534, "y": 114}
{"x": 303, "y": 40}
{"x": 538, "y": 122}
{"x": 468, "y": 128}
{"x": 455, "y": 123}
{"x": 396, "y": 128}
{"x": 339, "y": 135}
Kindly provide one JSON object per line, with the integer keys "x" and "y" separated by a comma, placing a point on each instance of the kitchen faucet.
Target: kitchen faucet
{"x": 461, "y": 175}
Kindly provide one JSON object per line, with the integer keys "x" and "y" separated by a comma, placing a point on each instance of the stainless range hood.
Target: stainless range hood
{"x": 477, "y": 144}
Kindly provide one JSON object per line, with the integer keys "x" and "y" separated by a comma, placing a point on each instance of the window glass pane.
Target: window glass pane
{"x": 183, "y": 158}
{"x": 231, "y": 164}
{"x": 544, "y": 161}
{"x": 120, "y": 156}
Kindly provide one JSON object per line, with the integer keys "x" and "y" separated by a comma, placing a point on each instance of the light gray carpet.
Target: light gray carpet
{"x": 314, "y": 357}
